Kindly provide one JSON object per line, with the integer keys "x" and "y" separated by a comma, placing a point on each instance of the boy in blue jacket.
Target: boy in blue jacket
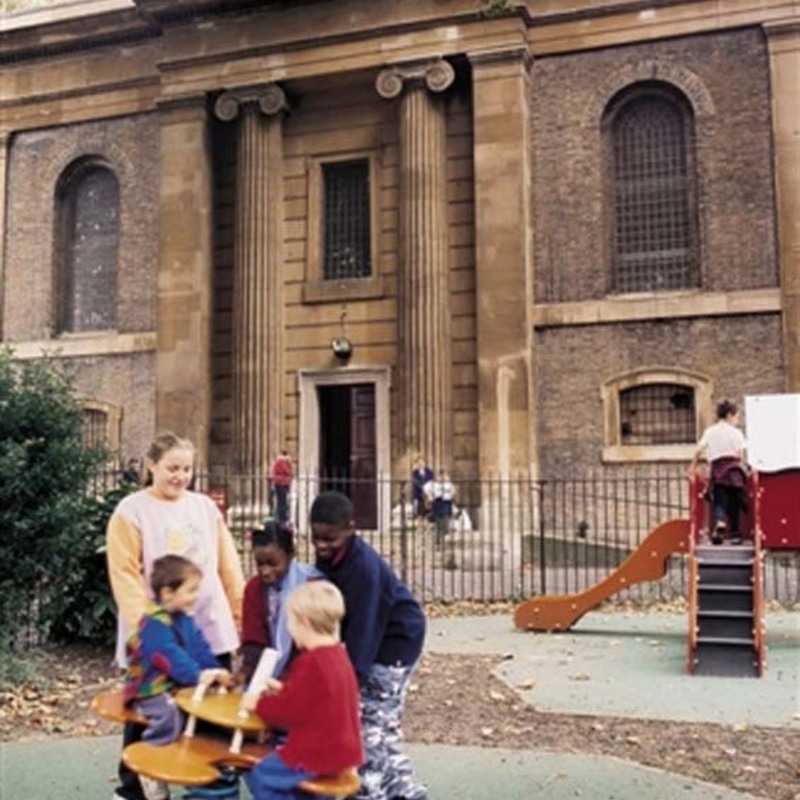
{"x": 168, "y": 650}
{"x": 383, "y": 630}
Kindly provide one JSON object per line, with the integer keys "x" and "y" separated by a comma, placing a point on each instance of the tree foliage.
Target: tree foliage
{"x": 51, "y": 518}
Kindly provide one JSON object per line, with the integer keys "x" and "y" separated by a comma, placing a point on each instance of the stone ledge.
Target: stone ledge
{"x": 622, "y": 454}
{"x": 84, "y": 345}
{"x": 671, "y": 305}
{"x": 336, "y": 291}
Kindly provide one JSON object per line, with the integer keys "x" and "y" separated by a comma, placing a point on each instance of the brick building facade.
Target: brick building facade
{"x": 566, "y": 231}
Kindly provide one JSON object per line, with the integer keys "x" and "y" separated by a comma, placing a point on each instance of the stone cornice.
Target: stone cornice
{"x": 494, "y": 55}
{"x": 437, "y": 74}
{"x": 169, "y": 11}
{"x": 269, "y": 98}
{"x": 74, "y": 35}
{"x": 782, "y": 27}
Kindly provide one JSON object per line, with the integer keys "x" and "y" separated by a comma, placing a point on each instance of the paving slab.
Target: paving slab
{"x": 632, "y": 665}
{"x": 72, "y": 769}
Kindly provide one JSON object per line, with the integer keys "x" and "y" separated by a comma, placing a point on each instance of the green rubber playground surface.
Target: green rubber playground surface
{"x": 83, "y": 769}
{"x": 632, "y": 665}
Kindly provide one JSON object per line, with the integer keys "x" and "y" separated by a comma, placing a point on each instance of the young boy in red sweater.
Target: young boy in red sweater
{"x": 317, "y": 704}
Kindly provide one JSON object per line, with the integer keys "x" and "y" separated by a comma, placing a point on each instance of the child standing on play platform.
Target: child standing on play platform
{"x": 383, "y": 630}
{"x": 317, "y": 704}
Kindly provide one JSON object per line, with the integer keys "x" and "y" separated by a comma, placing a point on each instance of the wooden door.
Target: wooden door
{"x": 363, "y": 458}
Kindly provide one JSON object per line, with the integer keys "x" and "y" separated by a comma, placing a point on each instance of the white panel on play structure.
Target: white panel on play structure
{"x": 773, "y": 431}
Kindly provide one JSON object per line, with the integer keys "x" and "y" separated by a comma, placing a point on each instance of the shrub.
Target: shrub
{"x": 48, "y": 515}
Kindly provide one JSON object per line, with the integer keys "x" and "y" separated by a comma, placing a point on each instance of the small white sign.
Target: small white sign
{"x": 773, "y": 431}
{"x": 266, "y": 664}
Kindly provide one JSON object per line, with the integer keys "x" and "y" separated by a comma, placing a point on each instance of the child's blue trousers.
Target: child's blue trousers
{"x": 271, "y": 779}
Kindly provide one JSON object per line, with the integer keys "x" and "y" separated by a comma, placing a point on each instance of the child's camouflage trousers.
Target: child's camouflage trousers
{"x": 387, "y": 773}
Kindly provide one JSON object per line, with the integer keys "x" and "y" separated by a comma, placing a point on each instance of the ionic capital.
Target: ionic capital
{"x": 436, "y": 74}
{"x": 270, "y": 100}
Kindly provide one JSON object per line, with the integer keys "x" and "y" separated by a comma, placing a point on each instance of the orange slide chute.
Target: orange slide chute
{"x": 647, "y": 563}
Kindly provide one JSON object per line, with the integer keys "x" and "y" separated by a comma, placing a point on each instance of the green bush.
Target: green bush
{"x": 49, "y": 514}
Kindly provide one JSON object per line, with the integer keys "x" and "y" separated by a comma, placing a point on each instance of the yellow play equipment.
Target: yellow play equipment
{"x": 197, "y": 759}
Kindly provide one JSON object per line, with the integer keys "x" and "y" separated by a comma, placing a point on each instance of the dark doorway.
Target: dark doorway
{"x": 347, "y": 456}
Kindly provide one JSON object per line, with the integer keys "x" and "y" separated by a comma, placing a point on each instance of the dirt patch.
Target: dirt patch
{"x": 455, "y": 700}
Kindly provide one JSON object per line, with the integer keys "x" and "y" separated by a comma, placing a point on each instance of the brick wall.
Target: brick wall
{"x": 726, "y": 76}
{"x": 129, "y": 146}
{"x": 740, "y": 354}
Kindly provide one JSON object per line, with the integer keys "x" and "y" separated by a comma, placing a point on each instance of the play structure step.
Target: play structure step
{"x": 724, "y": 597}
{"x": 725, "y": 660}
{"x": 740, "y": 553}
{"x": 726, "y": 573}
{"x": 736, "y": 642}
{"x": 724, "y": 625}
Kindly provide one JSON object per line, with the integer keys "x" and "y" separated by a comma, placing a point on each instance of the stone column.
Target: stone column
{"x": 503, "y": 261}
{"x": 183, "y": 363}
{"x": 424, "y": 308}
{"x": 257, "y": 277}
{"x": 5, "y": 140}
{"x": 783, "y": 39}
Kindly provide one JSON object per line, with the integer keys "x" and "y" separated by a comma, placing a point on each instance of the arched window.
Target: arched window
{"x": 654, "y": 414}
{"x": 657, "y": 413}
{"x": 87, "y": 214}
{"x": 649, "y": 132}
{"x": 101, "y": 424}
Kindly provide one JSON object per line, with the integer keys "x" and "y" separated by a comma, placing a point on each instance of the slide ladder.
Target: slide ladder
{"x": 726, "y": 594}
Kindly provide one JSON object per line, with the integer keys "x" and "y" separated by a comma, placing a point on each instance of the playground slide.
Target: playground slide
{"x": 647, "y": 563}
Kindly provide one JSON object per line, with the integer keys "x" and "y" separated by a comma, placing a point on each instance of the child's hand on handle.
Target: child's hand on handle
{"x": 210, "y": 676}
{"x": 272, "y": 686}
{"x": 249, "y": 702}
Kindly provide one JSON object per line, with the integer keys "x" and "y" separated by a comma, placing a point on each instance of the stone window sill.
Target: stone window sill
{"x": 336, "y": 291}
{"x": 622, "y": 454}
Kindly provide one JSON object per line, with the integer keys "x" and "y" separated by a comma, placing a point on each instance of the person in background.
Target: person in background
{"x": 441, "y": 493}
{"x": 421, "y": 474}
{"x": 724, "y": 445}
{"x": 281, "y": 474}
{"x": 166, "y": 518}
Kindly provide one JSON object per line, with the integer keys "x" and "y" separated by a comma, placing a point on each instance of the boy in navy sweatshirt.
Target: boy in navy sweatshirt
{"x": 383, "y": 630}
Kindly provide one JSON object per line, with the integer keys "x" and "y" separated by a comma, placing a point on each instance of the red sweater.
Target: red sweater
{"x": 319, "y": 707}
{"x": 282, "y": 472}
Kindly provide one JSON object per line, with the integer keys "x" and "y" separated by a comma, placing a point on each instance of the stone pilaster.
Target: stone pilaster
{"x": 784, "y": 54}
{"x": 503, "y": 261}
{"x": 183, "y": 388}
{"x": 423, "y": 283}
{"x": 257, "y": 280}
{"x": 5, "y": 141}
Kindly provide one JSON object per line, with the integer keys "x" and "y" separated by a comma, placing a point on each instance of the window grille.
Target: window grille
{"x": 653, "y": 204}
{"x": 346, "y": 221}
{"x": 89, "y": 209}
{"x": 94, "y": 427}
{"x": 659, "y": 413}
